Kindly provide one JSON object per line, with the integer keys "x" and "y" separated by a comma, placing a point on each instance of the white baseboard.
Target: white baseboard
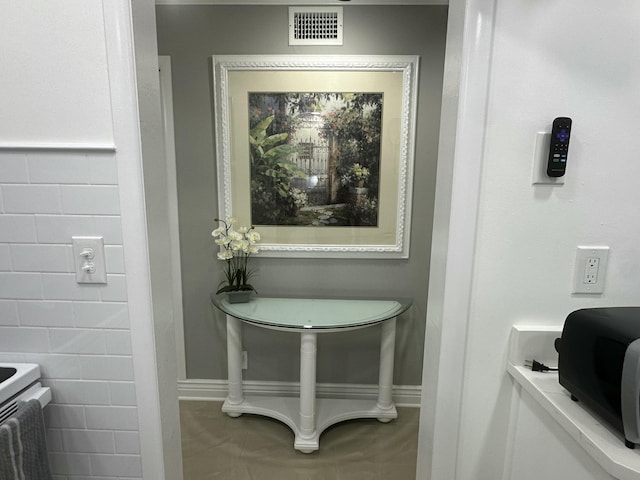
{"x": 403, "y": 395}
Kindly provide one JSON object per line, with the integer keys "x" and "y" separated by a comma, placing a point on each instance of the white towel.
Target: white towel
{"x": 23, "y": 447}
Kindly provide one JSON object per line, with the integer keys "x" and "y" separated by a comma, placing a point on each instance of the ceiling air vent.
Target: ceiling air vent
{"x": 315, "y": 25}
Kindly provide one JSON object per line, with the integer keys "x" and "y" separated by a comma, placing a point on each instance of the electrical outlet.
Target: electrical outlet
{"x": 245, "y": 360}
{"x": 589, "y": 270}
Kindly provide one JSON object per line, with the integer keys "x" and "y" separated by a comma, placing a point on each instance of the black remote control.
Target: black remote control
{"x": 559, "y": 148}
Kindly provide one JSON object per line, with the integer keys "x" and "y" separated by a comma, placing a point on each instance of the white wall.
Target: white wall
{"x": 69, "y": 161}
{"x": 556, "y": 58}
{"x": 57, "y": 53}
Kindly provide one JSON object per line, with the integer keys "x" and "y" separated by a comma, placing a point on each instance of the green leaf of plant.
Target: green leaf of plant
{"x": 259, "y": 131}
{"x": 280, "y": 151}
{"x": 274, "y": 139}
{"x": 226, "y": 288}
{"x": 293, "y": 168}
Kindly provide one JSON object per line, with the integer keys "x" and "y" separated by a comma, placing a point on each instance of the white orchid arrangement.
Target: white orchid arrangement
{"x": 237, "y": 245}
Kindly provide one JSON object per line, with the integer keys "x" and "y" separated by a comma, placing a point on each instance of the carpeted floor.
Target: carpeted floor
{"x": 250, "y": 447}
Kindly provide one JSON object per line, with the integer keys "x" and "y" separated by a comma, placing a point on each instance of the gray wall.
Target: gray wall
{"x": 191, "y": 35}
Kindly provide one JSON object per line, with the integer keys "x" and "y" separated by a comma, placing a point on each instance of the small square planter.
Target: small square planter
{"x": 240, "y": 296}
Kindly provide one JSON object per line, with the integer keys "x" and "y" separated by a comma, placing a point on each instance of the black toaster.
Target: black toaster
{"x": 599, "y": 364}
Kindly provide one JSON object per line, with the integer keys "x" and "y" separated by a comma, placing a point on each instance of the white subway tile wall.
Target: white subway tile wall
{"x": 8, "y": 312}
{"x": 31, "y": 198}
{"x": 78, "y": 333}
{"x": 5, "y": 258}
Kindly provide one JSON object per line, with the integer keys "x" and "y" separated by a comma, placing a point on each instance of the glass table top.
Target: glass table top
{"x": 312, "y": 313}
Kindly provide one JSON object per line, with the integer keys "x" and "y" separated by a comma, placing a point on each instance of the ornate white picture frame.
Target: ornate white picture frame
{"x": 279, "y": 109}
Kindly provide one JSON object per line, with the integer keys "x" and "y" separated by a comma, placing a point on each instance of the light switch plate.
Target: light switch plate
{"x": 540, "y": 158}
{"x": 88, "y": 255}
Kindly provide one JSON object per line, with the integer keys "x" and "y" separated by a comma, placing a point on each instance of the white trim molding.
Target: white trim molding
{"x": 88, "y": 147}
{"x": 216, "y": 390}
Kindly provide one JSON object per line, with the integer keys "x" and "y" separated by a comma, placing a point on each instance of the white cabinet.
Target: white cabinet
{"x": 550, "y": 435}
{"x": 542, "y": 449}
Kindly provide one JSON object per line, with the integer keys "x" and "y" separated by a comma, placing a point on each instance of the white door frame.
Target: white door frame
{"x": 461, "y": 147}
{"x": 166, "y": 99}
{"x": 124, "y": 86}
{"x": 462, "y": 128}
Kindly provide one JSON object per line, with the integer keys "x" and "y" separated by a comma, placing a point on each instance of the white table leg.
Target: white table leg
{"x": 385, "y": 382}
{"x": 307, "y": 428}
{"x": 234, "y": 362}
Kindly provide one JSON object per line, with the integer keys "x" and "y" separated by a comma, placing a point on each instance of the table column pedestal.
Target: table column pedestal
{"x": 234, "y": 363}
{"x": 385, "y": 378}
{"x": 307, "y": 437}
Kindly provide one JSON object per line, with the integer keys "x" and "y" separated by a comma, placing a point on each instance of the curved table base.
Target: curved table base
{"x": 308, "y": 416}
{"x": 328, "y": 412}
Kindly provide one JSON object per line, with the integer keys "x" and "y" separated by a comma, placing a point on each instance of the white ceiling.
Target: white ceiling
{"x": 302, "y": 2}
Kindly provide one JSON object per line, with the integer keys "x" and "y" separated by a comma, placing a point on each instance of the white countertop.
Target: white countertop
{"x": 603, "y": 443}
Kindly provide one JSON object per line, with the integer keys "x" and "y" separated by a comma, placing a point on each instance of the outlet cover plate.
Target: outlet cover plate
{"x": 592, "y": 285}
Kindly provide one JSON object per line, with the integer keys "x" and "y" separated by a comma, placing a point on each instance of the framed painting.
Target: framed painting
{"x": 317, "y": 151}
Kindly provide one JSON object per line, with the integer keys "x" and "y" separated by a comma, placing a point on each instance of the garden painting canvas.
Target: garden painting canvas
{"x": 317, "y": 151}
{"x": 315, "y": 158}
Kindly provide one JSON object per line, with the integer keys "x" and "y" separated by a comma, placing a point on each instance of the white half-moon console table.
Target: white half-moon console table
{"x": 307, "y": 416}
